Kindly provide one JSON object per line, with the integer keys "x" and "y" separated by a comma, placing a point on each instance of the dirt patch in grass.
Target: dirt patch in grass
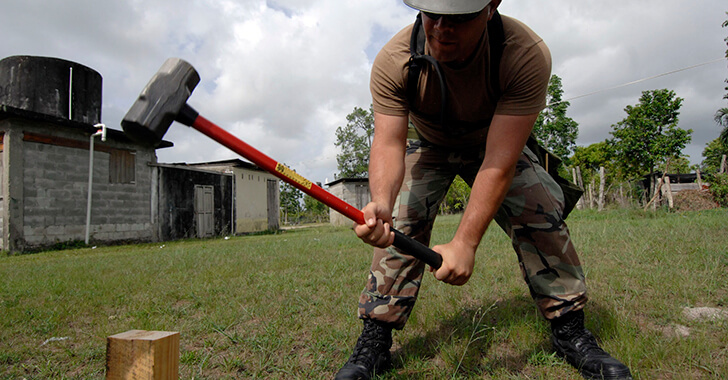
{"x": 505, "y": 355}
{"x": 694, "y": 200}
{"x": 705, "y": 313}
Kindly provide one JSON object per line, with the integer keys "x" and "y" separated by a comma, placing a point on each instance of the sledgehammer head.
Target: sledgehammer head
{"x": 159, "y": 103}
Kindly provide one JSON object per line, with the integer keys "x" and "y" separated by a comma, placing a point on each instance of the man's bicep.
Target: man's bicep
{"x": 390, "y": 129}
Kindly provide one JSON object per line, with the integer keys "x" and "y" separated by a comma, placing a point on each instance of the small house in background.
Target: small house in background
{"x": 354, "y": 191}
{"x": 257, "y": 195}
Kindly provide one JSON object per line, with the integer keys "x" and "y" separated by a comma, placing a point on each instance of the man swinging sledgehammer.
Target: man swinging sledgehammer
{"x": 464, "y": 103}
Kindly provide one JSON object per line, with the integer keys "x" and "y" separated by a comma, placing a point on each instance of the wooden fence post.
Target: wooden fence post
{"x": 592, "y": 185}
{"x": 600, "y": 202}
{"x": 579, "y": 182}
{"x": 654, "y": 201}
{"x": 700, "y": 179}
{"x": 667, "y": 190}
{"x": 142, "y": 355}
{"x": 723, "y": 167}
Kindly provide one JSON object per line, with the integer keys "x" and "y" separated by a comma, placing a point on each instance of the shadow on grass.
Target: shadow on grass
{"x": 481, "y": 339}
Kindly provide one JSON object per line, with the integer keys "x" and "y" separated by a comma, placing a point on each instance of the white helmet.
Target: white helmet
{"x": 451, "y": 7}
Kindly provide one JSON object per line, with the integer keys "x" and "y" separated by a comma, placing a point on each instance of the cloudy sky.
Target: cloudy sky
{"x": 283, "y": 74}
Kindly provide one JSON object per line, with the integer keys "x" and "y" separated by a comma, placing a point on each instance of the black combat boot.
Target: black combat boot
{"x": 371, "y": 353}
{"x": 574, "y": 342}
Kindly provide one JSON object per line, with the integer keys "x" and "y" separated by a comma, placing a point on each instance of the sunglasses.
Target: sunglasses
{"x": 455, "y": 19}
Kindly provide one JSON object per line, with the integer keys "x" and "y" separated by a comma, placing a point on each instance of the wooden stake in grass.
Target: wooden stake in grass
{"x": 579, "y": 182}
{"x": 700, "y": 179}
{"x": 659, "y": 185}
{"x": 667, "y": 190}
{"x": 142, "y": 355}
{"x": 602, "y": 177}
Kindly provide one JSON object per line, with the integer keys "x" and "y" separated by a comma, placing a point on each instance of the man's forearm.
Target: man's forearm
{"x": 385, "y": 175}
{"x": 386, "y": 159}
{"x": 506, "y": 137}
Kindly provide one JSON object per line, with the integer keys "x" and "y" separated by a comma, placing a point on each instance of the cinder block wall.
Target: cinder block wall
{"x": 354, "y": 193}
{"x": 55, "y": 191}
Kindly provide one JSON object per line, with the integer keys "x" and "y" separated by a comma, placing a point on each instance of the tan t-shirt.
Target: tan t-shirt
{"x": 525, "y": 70}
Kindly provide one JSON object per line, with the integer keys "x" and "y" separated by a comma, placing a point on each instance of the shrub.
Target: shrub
{"x": 719, "y": 188}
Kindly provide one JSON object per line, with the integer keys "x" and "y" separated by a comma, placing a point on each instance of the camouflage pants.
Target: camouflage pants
{"x": 530, "y": 215}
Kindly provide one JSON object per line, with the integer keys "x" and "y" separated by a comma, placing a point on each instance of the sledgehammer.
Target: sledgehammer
{"x": 164, "y": 100}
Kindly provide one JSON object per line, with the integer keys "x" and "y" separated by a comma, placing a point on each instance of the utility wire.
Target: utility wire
{"x": 638, "y": 81}
{"x": 583, "y": 95}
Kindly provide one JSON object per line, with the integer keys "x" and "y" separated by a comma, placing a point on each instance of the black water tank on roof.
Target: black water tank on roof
{"x": 51, "y": 86}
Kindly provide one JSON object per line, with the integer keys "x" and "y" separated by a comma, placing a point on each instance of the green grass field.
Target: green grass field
{"x": 283, "y": 306}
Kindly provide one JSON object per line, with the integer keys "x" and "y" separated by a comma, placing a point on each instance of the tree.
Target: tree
{"x": 457, "y": 196}
{"x": 593, "y": 156}
{"x": 315, "y": 211}
{"x": 355, "y": 140}
{"x": 649, "y": 134}
{"x": 556, "y": 131}
{"x": 713, "y": 154}
{"x": 678, "y": 165}
{"x": 290, "y": 199}
{"x": 589, "y": 159}
{"x": 721, "y": 116}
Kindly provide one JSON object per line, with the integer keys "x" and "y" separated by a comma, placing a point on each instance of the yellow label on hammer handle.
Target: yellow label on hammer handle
{"x": 295, "y": 177}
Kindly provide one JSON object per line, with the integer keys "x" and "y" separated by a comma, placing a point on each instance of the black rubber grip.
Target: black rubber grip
{"x": 418, "y": 250}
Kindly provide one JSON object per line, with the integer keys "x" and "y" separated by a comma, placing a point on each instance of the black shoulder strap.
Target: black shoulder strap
{"x": 496, "y": 39}
{"x": 418, "y": 59}
{"x": 417, "y": 38}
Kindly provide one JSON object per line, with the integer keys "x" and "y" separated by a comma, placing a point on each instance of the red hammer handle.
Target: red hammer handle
{"x": 412, "y": 247}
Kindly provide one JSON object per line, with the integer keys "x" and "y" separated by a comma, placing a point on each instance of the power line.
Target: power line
{"x": 639, "y": 81}
{"x": 303, "y": 163}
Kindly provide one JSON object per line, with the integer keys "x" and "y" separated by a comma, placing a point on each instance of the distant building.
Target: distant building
{"x": 191, "y": 203}
{"x": 354, "y": 191}
{"x": 257, "y": 196}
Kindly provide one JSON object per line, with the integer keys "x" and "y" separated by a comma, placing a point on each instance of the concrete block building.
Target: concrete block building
{"x": 354, "y": 191}
{"x": 192, "y": 202}
{"x": 49, "y": 109}
{"x": 257, "y": 195}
